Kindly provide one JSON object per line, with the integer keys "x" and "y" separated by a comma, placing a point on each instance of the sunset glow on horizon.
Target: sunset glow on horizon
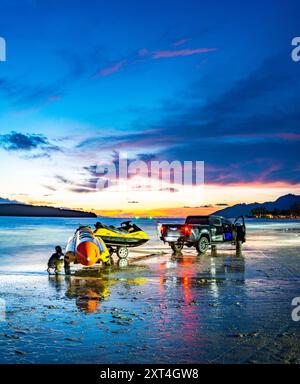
{"x": 121, "y": 206}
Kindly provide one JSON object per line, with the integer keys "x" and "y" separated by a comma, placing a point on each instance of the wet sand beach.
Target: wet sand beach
{"x": 221, "y": 307}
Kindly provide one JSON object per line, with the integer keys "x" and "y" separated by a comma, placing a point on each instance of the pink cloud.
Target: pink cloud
{"x": 182, "y": 52}
{"x": 54, "y": 97}
{"x": 288, "y": 136}
{"x": 143, "y": 52}
{"x": 180, "y": 42}
{"x": 111, "y": 69}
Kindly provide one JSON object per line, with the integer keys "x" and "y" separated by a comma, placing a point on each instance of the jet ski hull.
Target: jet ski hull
{"x": 122, "y": 242}
{"x": 128, "y": 235}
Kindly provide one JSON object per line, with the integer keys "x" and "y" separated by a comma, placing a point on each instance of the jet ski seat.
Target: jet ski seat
{"x": 128, "y": 226}
{"x": 121, "y": 230}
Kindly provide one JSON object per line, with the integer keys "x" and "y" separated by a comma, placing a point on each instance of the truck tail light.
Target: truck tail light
{"x": 163, "y": 229}
{"x": 186, "y": 230}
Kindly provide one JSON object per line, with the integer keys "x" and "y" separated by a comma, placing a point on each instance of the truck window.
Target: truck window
{"x": 202, "y": 220}
{"x": 226, "y": 222}
{"x": 215, "y": 221}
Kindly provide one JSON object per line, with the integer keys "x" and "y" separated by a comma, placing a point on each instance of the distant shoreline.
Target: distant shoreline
{"x": 24, "y": 210}
{"x": 53, "y": 216}
{"x": 159, "y": 219}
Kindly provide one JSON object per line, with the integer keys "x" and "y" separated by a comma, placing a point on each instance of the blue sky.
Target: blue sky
{"x": 172, "y": 80}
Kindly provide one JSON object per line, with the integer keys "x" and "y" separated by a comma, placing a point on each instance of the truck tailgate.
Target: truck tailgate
{"x": 171, "y": 232}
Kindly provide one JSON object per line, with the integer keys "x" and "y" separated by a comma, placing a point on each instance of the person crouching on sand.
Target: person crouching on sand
{"x": 55, "y": 262}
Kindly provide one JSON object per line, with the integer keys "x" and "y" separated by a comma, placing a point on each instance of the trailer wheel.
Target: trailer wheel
{"x": 122, "y": 252}
{"x": 176, "y": 247}
{"x": 202, "y": 245}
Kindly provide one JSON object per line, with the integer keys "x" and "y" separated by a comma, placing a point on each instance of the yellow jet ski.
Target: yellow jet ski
{"x": 119, "y": 239}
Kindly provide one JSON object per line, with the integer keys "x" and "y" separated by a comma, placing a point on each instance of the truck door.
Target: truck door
{"x": 216, "y": 229}
{"x": 227, "y": 230}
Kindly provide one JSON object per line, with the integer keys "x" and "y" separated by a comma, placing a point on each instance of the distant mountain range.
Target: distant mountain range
{"x": 7, "y": 201}
{"x": 282, "y": 203}
{"x": 17, "y": 209}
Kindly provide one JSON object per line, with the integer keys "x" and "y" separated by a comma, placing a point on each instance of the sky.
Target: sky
{"x": 176, "y": 80}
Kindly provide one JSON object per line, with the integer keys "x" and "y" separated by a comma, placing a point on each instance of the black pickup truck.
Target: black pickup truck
{"x": 202, "y": 231}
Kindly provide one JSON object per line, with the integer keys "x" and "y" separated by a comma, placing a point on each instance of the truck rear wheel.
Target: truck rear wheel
{"x": 202, "y": 245}
{"x": 176, "y": 247}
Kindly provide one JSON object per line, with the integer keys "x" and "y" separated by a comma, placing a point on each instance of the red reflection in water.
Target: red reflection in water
{"x": 185, "y": 312}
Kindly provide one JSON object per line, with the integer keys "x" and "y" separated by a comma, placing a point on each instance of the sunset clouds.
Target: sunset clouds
{"x": 111, "y": 69}
{"x": 148, "y": 55}
{"x": 181, "y": 52}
